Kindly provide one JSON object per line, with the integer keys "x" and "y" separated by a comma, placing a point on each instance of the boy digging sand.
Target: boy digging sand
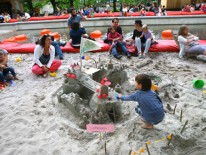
{"x": 150, "y": 106}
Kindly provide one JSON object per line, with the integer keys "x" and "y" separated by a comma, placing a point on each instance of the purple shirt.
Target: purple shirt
{"x": 147, "y": 34}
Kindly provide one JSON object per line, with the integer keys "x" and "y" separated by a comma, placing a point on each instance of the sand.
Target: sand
{"x": 32, "y": 122}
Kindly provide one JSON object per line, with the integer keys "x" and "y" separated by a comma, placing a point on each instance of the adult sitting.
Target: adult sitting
{"x": 58, "y": 51}
{"x": 76, "y": 33}
{"x": 75, "y": 17}
{"x": 56, "y": 44}
{"x": 189, "y": 43}
{"x": 44, "y": 54}
{"x": 2, "y": 18}
{"x": 7, "y": 73}
{"x": 115, "y": 23}
{"x": 139, "y": 42}
{"x": 155, "y": 9}
{"x": 124, "y": 10}
{"x": 204, "y": 8}
{"x": 117, "y": 40}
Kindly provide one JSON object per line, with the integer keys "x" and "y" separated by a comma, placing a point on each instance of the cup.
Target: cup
{"x": 198, "y": 83}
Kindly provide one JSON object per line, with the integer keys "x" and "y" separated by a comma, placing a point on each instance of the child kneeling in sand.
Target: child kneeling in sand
{"x": 150, "y": 106}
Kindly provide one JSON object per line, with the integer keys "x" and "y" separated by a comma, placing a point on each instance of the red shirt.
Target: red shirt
{"x": 114, "y": 35}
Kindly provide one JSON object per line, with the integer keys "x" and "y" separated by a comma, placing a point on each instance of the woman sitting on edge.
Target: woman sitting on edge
{"x": 76, "y": 33}
{"x": 44, "y": 54}
{"x": 189, "y": 43}
{"x": 139, "y": 42}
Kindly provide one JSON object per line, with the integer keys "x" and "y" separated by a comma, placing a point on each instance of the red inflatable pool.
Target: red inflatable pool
{"x": 12, "y": 47}
{"x": 162, "y": 46}
{"x": 114, "y": 14}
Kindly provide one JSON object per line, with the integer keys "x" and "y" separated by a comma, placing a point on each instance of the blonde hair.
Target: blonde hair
{"x": 145, "y": 27}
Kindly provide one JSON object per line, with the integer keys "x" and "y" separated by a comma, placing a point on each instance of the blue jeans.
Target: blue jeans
{"x": 58, "y": 50}
{"x": 139, "y": 45}
{"x": 123, "y": 48}
{"x": 5, "y": 72}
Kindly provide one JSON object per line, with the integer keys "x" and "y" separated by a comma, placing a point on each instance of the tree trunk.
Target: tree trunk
{"x": 30, "y": 6}
{"x": 159, "y": 2}
{"x": 54, "y": 6}
{"x": 114, "y": 6}
{"x": 71, "y": 3}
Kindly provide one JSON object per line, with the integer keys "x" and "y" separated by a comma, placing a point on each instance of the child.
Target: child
{"x": 150, "y": 106}
{"x": 116, "y": 38}
{"x": 148, "y": 37}
{"x": 142, "y": 12}
{"x": 6, "y": 73}
{"x": 164, "y": 12}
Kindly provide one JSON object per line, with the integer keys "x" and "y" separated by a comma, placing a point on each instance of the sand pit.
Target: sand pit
{"x": 33, "y": 122}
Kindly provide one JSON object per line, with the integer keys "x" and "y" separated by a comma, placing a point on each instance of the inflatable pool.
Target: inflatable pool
{"x": 13, "y": 47}
{"x": 114, "y": 14}
{"x": 161, "y": 46}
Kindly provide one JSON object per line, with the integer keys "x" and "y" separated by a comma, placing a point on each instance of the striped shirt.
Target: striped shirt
{"x": 149, "y": 103}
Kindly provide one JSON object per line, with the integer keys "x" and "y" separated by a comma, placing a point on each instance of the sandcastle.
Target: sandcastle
{"x": 89, "y": 97}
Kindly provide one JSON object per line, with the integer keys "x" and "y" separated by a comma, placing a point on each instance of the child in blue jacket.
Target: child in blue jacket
{"x": 150, "y": 106}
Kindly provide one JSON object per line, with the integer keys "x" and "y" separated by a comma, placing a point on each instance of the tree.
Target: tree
{"x": 53, "y": 2}
{"x": 114, "y": 5}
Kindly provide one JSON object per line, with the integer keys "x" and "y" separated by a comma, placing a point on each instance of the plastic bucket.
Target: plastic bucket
{"x": 198, "y": 83}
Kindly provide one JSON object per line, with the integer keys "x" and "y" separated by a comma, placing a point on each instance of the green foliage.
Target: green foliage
{"x": 62, "y": 4}
{"x": 39, "y": 4}
{"x": 78, "y": 4}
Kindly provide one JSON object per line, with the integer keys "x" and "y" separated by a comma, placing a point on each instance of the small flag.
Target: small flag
{"x": 88, "y": 45}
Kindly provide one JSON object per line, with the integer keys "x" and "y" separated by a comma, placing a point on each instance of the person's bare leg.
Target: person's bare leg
{"x": 204, "y": 53}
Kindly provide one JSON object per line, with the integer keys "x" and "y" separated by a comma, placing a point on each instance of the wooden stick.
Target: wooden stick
{"x": 181, "y": 115}
{"x": 130, "y": 151}
{"x": 147, "y": 149}
{"x": 169, "y": 141}
{"x": 105, "y": 147}
{"x": 184, "y": 126}
{"x": 100, "y": 136}
{"x": 114, "y": 113}
{"x": 174, "y": 109}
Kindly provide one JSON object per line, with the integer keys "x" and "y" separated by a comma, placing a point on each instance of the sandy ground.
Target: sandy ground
{"x": 32, "y": 122}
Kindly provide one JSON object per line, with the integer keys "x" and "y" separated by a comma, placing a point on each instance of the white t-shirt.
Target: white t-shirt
{"x": 183, "y": 44}
{"x": 27, "y": 16}
{"x": 124, "y": 9}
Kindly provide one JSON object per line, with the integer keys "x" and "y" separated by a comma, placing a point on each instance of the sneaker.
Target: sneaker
{"x": 140, "y": 55}
{"x": 118, "y": 57}
{"x": 61, "y": 58}
{"x": 63, "y": 43}
{"x": 144, "y": 55}
{"x": 129, "y": 56}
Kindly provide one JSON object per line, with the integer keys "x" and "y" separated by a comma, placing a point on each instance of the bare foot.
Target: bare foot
{"x": 147, "y": 126}
{"x": 16, "y": 78}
